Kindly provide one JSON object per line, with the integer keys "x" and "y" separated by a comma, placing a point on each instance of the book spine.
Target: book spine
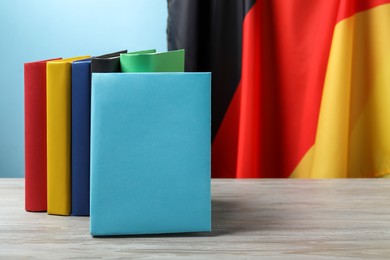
{"x": 58, "y": 102}
{"x": 35, "y": 136}
{"x": 81, "y": 102}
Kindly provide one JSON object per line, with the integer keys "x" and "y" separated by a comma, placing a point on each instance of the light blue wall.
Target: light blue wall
{"x": 40, "y": 29}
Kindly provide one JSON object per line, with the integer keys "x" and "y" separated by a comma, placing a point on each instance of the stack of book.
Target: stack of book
{"x": 123, "y": 138}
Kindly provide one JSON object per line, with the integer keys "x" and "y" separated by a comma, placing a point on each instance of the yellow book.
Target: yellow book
{"x": 58, "y": 111}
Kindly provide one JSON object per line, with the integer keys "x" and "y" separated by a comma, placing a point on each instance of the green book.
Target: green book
{"x": 171, "y": 61}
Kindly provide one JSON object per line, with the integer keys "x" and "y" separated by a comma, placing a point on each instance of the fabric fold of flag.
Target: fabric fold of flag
{"x": 299, "y": 88}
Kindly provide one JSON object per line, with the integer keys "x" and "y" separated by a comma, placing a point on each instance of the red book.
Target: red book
{"x": 35, "y": 135}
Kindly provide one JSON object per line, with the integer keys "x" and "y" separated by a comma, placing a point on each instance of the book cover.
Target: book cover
{"x": 58, "y": 118}
{"x": 35, "y": 135}
{"x": 171, "y": 61}
{"x": 150, "y": 153}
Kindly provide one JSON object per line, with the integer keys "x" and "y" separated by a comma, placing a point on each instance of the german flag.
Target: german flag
{"x": 300, "y": 88}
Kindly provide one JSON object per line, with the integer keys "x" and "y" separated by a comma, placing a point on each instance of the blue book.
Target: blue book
{"x": 150, "y": 153}
{"x": 80, "y": 129}
{"x": 81, "y": 88}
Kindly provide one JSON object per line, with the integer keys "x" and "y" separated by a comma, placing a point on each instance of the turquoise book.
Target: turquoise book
{"x": 150, "y": 153}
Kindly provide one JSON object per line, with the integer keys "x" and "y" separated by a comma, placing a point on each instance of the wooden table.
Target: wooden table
{"x": 287, "y": 218}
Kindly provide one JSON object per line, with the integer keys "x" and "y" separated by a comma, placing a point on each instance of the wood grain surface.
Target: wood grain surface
{"x": 252, "y": 219}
